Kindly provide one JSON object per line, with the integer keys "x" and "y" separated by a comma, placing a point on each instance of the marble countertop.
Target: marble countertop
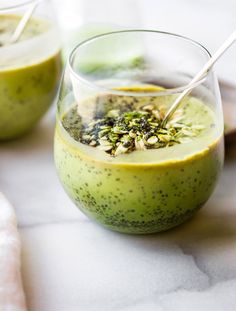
{"x": 70, "y": 263}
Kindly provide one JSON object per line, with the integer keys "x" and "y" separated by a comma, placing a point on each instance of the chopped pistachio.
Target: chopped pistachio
{"x": 132, "y": 134}
{"x": 118, "y": 129}
{"x": 139, "y": 144}
{"x": 120, "y": 149}
{"x": 92, "y": 143}
{"x": 113, "y": 113}
{"x": 152, "y": 140}
{"x": 165, "y": 138}
{"x": 104, "y": 148}
{"x": 103, "y": 142}
{"x": 148, "y": 107}
{"x": 86, "y": 137}
{"x": 187, "y": 132}
{"x": 156, "y": 114}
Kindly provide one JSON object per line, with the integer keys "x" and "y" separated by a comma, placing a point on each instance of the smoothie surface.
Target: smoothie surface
{"x": 195, "y": 121}
{"x": 138, "y": 191}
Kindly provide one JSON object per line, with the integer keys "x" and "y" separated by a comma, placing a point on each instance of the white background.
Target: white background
{"x": 207, "y": 21}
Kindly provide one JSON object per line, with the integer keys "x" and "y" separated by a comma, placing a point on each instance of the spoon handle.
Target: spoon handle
{"x": 201, "y": 74}
{"x": 22, "y": 24}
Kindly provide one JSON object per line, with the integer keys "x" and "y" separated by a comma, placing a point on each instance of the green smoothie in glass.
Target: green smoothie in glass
{"x": 129, "y": 174}
{"x": 116, "y": 160}
{"x": 29, "y": 74}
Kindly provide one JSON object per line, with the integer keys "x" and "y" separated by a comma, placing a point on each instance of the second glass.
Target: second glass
{"x": 29, "y": 68}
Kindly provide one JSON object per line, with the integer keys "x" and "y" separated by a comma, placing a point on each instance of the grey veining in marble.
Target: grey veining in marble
{"x": 71, "y": 264}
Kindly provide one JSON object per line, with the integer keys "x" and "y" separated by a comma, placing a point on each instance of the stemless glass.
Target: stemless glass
{"x": 30, "y": 68}
{"x": 115, "y": 161}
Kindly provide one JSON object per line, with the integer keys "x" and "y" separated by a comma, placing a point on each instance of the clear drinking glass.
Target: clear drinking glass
{"x": 30, "y": 68}
{"x": 114, "y": 158}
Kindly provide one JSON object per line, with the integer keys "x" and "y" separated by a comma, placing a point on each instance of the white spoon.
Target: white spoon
{"x": 22, "y": 24}
{"x": 201, "y": 74}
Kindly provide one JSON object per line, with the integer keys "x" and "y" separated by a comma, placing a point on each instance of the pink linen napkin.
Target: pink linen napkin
{"x": 12, "y": 296}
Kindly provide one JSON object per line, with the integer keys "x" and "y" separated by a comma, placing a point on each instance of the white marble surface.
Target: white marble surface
{"x": 71, "y": 264}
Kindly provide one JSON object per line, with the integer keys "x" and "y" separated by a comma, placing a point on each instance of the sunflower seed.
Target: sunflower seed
{"x": 152, "y": 140}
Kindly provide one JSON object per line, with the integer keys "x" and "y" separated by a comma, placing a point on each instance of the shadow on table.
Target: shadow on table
{"x": 210, "y": 227}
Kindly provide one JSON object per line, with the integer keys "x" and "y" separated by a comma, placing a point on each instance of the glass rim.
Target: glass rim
{"x": 167, "y": 91}
{"x": 18, "y": 6}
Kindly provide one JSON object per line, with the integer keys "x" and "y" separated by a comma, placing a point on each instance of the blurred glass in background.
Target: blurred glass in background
{"x": 82, "y": 19}
{"x": 206, "y": 21}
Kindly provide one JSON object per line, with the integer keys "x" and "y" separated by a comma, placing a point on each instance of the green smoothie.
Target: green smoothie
{"x": 129, "y": 174}
{"x": 29, "y": 75}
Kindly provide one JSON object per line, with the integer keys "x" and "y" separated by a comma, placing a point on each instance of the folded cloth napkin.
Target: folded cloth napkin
{"x": 11, "y": 291}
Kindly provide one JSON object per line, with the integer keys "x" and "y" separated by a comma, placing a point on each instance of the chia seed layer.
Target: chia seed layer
{"x": 134, "y": 197}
